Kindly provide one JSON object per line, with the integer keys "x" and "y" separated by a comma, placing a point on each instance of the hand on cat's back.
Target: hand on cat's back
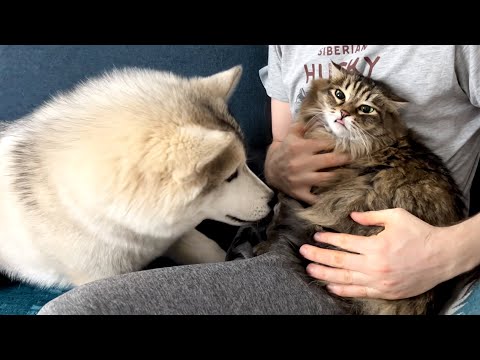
{"x": 298, "y": 164}
{"x": 406, "y": 259}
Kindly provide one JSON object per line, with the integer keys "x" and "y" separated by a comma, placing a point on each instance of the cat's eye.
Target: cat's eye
{"x": 366, "y": 109}
{"x": 339, "y": 94}
{"x": 233, "y": 176}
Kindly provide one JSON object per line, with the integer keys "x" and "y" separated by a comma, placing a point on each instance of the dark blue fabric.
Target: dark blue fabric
{"x": 29, "y": 75}
{"x": 21, "y": 299}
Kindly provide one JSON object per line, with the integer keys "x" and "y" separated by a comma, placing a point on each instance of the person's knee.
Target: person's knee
{"x": 48, "y": 309}
{"x": 58, "y": 307}
{"x": 74, "y": 302}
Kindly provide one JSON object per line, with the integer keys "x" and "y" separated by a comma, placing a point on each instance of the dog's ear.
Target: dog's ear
{"x": 224, "y": 83}
{"x": 213, "y": 144}
{"x": 204, "y": 146}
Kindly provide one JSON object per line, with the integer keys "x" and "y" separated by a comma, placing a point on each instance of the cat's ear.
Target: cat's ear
{"x": 399, "y": 101}
{"x": 224, "y": 83}
{"x": 396, "y": 102}
{"x": 395, "y": 125}
{"x": 336, "y": 70}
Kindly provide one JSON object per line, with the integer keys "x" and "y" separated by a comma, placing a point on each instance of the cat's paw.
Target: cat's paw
{"x": 261, "y": 248}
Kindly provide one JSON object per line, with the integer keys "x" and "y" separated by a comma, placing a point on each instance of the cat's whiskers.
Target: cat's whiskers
{"x": 358, "y": 134}
{"x": 313, "y": 120}
{"x": 363, "y": 136}
{"x": 362, "y": 132}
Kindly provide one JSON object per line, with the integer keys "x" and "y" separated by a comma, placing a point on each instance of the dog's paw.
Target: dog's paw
{"x": 210, "y": 254}
{"x": 218, "y": 255}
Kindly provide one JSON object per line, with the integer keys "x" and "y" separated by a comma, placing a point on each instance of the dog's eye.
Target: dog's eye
{"x": 233, "y": 176}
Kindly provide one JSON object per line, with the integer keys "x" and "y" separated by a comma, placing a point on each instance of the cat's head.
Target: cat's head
{"x": 360, "y": 113}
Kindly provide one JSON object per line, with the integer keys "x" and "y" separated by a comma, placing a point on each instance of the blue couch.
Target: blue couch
{"x": 30, "y": 74}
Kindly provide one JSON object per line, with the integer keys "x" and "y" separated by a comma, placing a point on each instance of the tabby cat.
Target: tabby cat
{"x": 390, "y": 168}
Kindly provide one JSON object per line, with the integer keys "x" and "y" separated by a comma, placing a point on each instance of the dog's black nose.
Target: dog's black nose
{"x": 273, "y": 201}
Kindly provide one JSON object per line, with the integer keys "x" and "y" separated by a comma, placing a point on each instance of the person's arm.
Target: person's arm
{"x": 464, "y": 241}
{"x": 467, "y": 70}
{"x": 292, "y": 164}
{"x": 408, "y": 258}
{"x": 281, "y": 122}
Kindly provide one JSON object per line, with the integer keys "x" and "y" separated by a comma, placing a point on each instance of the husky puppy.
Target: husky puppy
{"x": 102, "y": 179}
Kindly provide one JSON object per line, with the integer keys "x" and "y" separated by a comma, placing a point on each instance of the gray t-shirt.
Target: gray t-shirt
{"x": 441, "y": 83}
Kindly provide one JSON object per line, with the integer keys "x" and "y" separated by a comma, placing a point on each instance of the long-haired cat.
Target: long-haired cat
{"x": 390, "y": 168}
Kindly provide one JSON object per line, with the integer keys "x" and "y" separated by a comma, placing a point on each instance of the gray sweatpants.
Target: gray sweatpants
{"x": 261, "y": 285}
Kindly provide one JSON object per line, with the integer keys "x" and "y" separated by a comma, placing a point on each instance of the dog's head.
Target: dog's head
{"x": 164, "y": 150}
{"x": 215, "y": 172}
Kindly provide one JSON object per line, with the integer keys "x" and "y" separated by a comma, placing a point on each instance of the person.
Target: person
{"x": 442, "y": 84}
{"x": 440, "y": 81}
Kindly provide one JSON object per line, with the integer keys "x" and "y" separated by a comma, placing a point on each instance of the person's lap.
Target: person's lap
{"x": 262, "y": 285}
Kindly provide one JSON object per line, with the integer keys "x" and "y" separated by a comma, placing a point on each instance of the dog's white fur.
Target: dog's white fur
{"x": 103, "y": 179}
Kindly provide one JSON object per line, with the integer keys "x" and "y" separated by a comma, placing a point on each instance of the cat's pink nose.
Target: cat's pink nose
{"x": 344, "y": 113}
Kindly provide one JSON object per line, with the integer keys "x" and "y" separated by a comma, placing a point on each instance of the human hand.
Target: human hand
{"x": 294, "y": 165}
{"x": 408, "y": 258}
